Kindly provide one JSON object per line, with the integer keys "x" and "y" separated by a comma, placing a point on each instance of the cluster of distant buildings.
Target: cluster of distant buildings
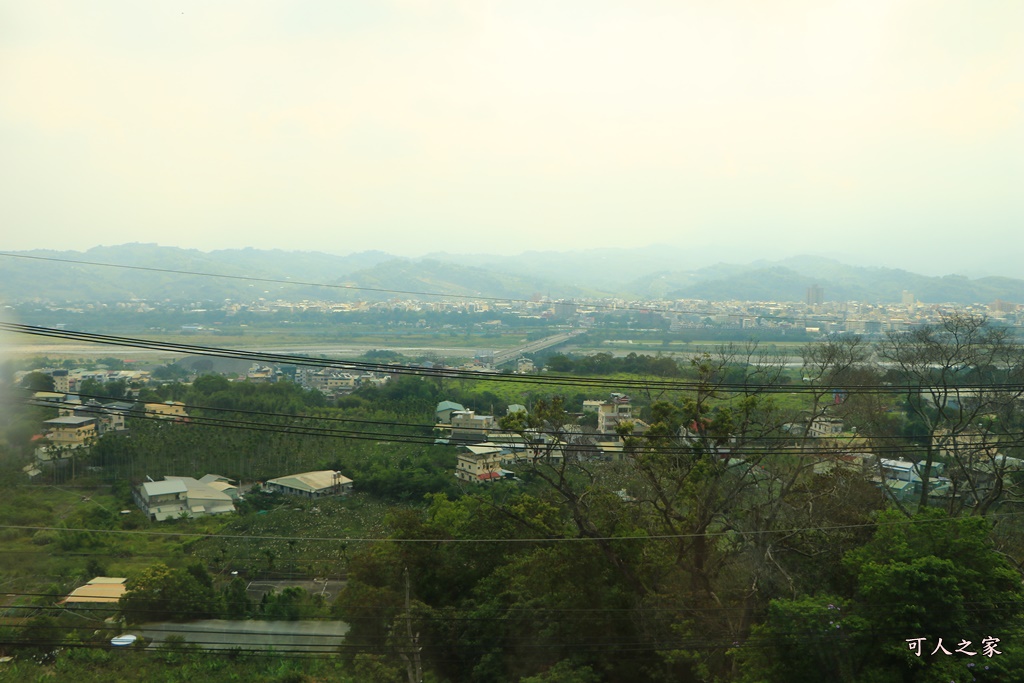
{"x": 818, "y": 315}
{"x": 489, "y": 453}
{"x": 79, "y": 423}
{"x": 977, "y": 455}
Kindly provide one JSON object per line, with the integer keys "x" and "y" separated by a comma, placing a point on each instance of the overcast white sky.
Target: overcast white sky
{"x": 890, "y": 131}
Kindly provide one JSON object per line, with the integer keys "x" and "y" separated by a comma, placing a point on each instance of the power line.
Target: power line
{"x": 101, "y": 410}
{"x": 756, "y": 447}
{"x": 257, "y": 356}
{"x": 243, "y": 425}
{"x": 542, "y": 379}
{"x": 825, "y": 443}
{"x": 475, "y": 541}
{"x": 504, "y": 641}
{"x": 445, "y": 613}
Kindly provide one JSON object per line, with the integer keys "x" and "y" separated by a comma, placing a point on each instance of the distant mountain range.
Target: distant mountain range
{"x": 163, "y": 273}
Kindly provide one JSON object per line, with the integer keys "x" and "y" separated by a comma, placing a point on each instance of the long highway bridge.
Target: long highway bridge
{"x": 538, "y": 345}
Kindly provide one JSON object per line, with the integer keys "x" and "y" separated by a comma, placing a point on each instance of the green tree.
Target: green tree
{"x": 564, "y": 672}
{"x": 237, "y": 604}
{"x": 929, "y": 577}
{"x": 37, "y": 381}
{"x": 160, "y": 593}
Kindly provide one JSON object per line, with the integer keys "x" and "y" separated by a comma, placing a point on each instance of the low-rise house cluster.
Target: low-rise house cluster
{"x": 80, "y": 423}
{"x": 338, "y": 381}
{"x": 486, "y": 451}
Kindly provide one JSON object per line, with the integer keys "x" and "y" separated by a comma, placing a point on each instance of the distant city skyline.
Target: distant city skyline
{"x": 886, "y": 133}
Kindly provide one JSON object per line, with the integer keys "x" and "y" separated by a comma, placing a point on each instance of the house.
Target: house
{"x": 538, "y": 448}
{"x": 44, "y": 398}
{"x": 509, "y": 441}
{"x": 610, "y": 451}
{"x": 824, "y": 427}
{"x": 110, "y": 417}
{"x": 68, "y": 405}
{"x": 524, "y": 366}
{"x": 61, "y": 381}
{"x": 444, "y": 410}
{"x": 311, "y": 484}
{"x": 71, "y": 431}
{"x": 328, "y": 381}
{"x": 900, "y": 489}
{"x": 170, "y": 410}
{"x": 899, "y": 470}
{"x": 181, "y": 497}
{"x": 480, "y": 464}
{"x": 611, "y": 413}
{"x": 468, "y": 426}
{"x": 261, "y": 374}
{"x": 162, "y": 500}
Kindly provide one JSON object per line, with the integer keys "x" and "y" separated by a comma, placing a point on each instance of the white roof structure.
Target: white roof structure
{"x": 70, "y": 421}
{"x": 197, "y": 490}
{"x": 107, "y": 589}
{"x": 162, "y": 488}
{"x": 311, "y": 482}
{"x": 211, "y": 478}
{"x": 484, "y": 449}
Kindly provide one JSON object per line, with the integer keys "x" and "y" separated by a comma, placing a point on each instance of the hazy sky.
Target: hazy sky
{"x": 889, "y": 131}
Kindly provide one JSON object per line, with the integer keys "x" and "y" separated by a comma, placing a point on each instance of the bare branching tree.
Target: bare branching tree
{"x": 961, "y": 384}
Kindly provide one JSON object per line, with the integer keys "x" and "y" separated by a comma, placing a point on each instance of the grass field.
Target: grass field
{"x": 41, "y": 552}
{"x": 296, "y": 538}
{"x": 42, "y": 556}
{"x": 23, "y": 347}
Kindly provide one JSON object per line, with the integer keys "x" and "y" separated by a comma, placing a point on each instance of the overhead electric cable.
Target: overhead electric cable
{"x": 542, "y": 379}
{"x": 518, "y": 541}
{"x": 825, "y": 443}
{"x": 755, "y": 447}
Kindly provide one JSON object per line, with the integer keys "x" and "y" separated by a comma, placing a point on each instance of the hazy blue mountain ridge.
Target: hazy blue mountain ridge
{"x": 642, "y": 273}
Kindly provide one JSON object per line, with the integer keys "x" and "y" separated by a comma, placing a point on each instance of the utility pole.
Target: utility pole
{"x": 413, "y": 664}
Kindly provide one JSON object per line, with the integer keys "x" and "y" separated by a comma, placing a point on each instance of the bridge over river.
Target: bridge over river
{"x": 502, "y": 357}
